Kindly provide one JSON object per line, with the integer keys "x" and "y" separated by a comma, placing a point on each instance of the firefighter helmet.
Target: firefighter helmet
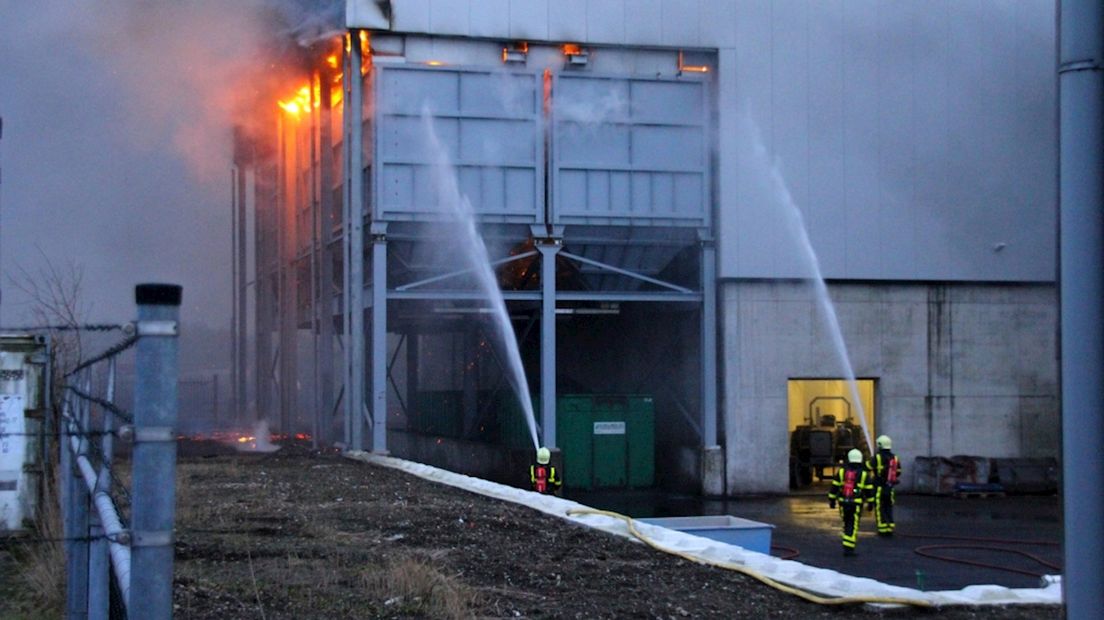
{"x": 543, "y": 456}
{"x": 884, "y": 442}
{"x": 854, "y": 456}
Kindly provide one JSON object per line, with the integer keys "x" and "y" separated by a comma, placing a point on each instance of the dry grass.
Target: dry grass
{"x": 419, "y": 588}
{"x": 42, "y": 562}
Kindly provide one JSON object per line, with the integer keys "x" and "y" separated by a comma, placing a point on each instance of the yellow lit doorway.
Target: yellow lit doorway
{"x": 824, "y": 425}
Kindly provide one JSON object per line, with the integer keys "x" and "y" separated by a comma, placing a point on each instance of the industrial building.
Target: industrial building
{"x": 632, "y": 167}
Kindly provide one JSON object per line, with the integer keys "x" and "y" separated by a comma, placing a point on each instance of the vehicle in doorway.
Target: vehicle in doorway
{"x": 823, "y": 441}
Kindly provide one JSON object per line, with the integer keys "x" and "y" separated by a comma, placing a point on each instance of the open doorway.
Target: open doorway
{"x": 824, "y": 425}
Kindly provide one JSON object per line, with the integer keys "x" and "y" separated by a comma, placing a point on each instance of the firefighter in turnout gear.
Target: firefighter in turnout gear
{"x": 543, "y": 475}
{"x": 851, "y": 488}
{"x": 886, "y": 469}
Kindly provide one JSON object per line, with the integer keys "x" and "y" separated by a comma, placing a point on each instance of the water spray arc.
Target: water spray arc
{"x": 475, "y": 253}
{"x": 795, "y": 224}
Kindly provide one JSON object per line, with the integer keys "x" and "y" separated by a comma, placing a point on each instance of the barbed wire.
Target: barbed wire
{"x": 116, "y": 349}
{"x": 90, "y": 327}
{"x": 106, "y": 404}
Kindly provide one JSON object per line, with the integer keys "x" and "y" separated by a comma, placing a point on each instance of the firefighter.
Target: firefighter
{"x": 886, "y": 469}
{"x": 542, "y": 475}
{"x": 851, "y": 488}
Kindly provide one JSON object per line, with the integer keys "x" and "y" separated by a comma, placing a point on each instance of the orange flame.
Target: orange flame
{"x": 300, "y": 103}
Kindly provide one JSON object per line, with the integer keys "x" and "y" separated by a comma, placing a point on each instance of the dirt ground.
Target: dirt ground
{"x": 298, "y": 534}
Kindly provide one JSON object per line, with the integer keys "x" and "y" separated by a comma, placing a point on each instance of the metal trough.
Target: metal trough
{"x": 751, "y": 535}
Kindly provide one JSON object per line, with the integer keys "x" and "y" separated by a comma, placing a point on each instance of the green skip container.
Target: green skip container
{"x": 607, "y": 440}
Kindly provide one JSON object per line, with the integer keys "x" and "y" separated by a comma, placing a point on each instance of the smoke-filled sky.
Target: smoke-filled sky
{"x": 116, "y": 150}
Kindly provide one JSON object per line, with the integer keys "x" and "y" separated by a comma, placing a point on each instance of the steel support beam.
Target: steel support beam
{"x": 548, "y": 251}
{"x": 625, "y": 296}
{"x": 626, "y": 272}
{"x": 1081, "y": 231}
{"x": 354, "y": 242}
{"x": 379, "y": 344}
{"x": 453, "y": 274}
{"x": 325, "y": 271}
{"x": 709, "y": 344}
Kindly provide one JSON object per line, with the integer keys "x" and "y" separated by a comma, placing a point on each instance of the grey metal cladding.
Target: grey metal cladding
{"x": 488, "y": 122}
{"x": 630, "y": 150}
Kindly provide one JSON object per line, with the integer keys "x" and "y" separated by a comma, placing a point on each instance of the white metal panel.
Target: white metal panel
{"x": 644, "y": 22}
{"x": 681, "y": 21}
{"x": 365, "y": 14}
{"x": 487, "y": 122}
{"x": 718, "y": 23}
{"x": 407, "y": 16}
{"x": 918, "y": 138}
{"x": 677, "y": 23}
{"x": 630, "y": 151}
{"x": 606, "y": 20}
{"x": 490, "y": 18}
{"x": 567, "y": 20}
{"x": 449, "y": 17}
{"x": 529, "y": 20}
{"x": 13, "y": 450}
{"x": 825, "y": 112}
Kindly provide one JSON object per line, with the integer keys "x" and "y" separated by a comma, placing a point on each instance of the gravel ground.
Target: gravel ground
{"x": 302, "y": 535}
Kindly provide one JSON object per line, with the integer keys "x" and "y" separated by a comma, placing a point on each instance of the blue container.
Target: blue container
{"x": 751, "y": 535}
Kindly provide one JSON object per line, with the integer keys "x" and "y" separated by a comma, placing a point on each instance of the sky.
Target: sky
{"x": 116, "y": 147}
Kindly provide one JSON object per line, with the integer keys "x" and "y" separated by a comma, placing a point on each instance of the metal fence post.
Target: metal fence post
{"x": 98, "y": 568}
{"x": 75, "y": 527}
{"x": 153, "y": 489}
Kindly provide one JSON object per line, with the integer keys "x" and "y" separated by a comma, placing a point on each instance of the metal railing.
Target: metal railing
{"x": 114, "y": 531}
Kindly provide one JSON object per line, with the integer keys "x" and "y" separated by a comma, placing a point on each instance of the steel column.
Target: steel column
{"x": 354, "y": 235}
{"x": 709, "y": 344}
{"x": 1081, "y": 232}
{"x": 325, "y": 271}
{"x": 412, "y": 340}
{"x": 154, "y": 461}
{"x": 99, "y": 589}
{"x": 548, "y": 342}
{"x": 241, "y": 328}
{"x": 379, "y": 344}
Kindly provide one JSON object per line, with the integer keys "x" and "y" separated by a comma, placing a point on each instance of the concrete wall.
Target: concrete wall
{"x": 960, "y": 368}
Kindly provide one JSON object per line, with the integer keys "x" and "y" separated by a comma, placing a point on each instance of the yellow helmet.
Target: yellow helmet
{"x": 884, "y": 442}
{"x": 854, "y": 456}
{"x": 543, "y": 456}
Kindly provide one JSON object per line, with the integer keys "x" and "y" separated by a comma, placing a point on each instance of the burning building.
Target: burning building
{"x": 633, "y": 169}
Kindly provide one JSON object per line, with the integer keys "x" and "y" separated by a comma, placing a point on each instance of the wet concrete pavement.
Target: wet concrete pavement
{"x": 999, "y": 531}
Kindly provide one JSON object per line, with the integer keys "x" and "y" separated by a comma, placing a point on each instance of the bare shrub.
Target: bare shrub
{"x": 42, "y": 561}
{"x": 417, "y": 587}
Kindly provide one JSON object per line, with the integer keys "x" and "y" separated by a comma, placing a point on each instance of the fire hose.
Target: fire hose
{"x": 744, "y": 570}
{"x": 968, "y": 542}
